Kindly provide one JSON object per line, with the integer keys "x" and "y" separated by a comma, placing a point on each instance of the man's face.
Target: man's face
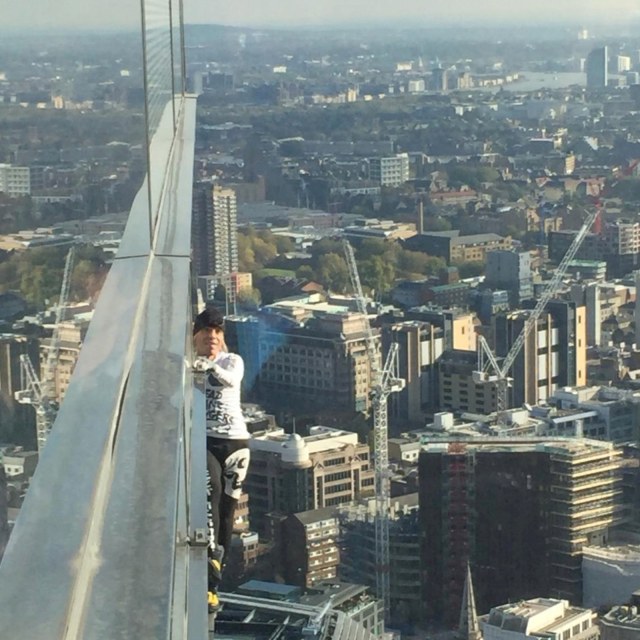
{"x": 208, "y": 342}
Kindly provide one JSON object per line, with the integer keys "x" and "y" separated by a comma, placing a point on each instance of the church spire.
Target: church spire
{"x": 469, "y": 628}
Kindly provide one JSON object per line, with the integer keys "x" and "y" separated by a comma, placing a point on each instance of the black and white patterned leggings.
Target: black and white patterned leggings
{"x": 227, "y": 465}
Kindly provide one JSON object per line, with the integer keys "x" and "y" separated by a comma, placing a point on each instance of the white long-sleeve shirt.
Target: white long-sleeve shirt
{"x": 223, "y": 378}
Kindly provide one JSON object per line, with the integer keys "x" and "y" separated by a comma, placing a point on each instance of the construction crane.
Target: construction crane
{"x": 41, "y": 392}
{"x": 31, "y": 393}
{"x": 384, "y": 381}
{"x": 489, "y": 369}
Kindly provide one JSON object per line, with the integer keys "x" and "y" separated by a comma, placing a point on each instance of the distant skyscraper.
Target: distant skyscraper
{"x": 553, "y": 356}
{"x": 215, "y": 240}
{"x": 225, "y": 239}
{"x": 439, "y": 79}
{"x": 597, "y": 75}
{"x": 420, "y": 346}
{"x": 519, "y": 510}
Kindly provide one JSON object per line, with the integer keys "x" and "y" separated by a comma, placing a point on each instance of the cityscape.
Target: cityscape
{"x": 424, "y": 238}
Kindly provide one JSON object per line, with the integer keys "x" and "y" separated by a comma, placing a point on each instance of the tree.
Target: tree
{"x": 418, "y": 263}
{"x": 324, "y": 246}
{"x": 249, "y": 297}
{"x": 246, "y": 255}
{"x": 377, "y": 273}
{"x": 436, "y": 223}
{"x": 284, "y": 245}
{"x": 332, "y": 272}
{"x": 470, "y": 269}
{"x": 305, "y": 272}
{"x": 264, "y": 251}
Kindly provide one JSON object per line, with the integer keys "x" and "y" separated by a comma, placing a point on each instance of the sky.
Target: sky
{"x": 41, "y": 14}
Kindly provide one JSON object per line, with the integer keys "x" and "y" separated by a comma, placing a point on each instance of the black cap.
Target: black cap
{"x": 210, "y": 318}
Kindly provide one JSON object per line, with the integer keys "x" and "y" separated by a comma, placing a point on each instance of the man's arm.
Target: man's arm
{"x": 229, "y": 371}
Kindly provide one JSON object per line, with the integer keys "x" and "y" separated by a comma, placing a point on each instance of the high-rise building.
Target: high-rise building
{"x": 597, "y": 69}
{"x": 214, "y": 230}
{"x": 623, "y": 64}
{"x": 554, "y": 355}
{"x": 519, "y": 510}
{"x": 225, "y": 240}
{"x": 358, "y": 561}
{"x": 291, "y": 474}
{"x": 301, "y": 362}
{"x": 439, "y": 79}
{"x": 390, "y": 171}
{"x": 511, "y": 271}
{"x": 457, "y": 389}
{"x": 15, "y": 181}
{"x": 70, "y": 335}
{"x": 308, "y": 547}
{"x": 539, "y": 617}
{"x": 420, "y": 344}
{"x": 458, "y": 325}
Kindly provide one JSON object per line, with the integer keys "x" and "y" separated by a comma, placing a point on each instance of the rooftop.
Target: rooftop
{"x": 625, "y": 617}
{"x": 539, "y": 617}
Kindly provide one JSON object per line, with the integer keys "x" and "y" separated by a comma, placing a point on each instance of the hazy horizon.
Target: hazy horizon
{"x": 119, "y": 14}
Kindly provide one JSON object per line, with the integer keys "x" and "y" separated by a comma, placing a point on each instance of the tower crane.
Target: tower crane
{"x": 41, "y": 392}
{"x": 489, "y": 369}
{"x": 384, "y": 382}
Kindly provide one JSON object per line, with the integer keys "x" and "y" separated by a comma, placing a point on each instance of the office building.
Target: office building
{"x": 243, "y": 559}
{"x": 621, "y": 247}
{"x": 588, "y": 270}
{"x": 539, "y": 618}
{"x": 614, "y": 414}
{"x": 420, "y": 344}
{"x": 457, "y": 389}
{"x": 597, "y": 68}
{"x": 520, "y": 511}
{"x": 458, "y": 325}
{"x": 554, "y": 355}
{"x": 618, "y": 245}
{"x": 308, "y": 550}
{"x": 292, "y": 474}
{"x": 299, "y": 352}
{"x": 357, "y": 560}
{"x": 454, "y": 247}
{"x": 70, "y": 335}
{"x": 214, "y": 230}
{"x": 560, "y": 240}
{"x": 390, "y": 171}
{"x": 15, "y": 181}
{"x": 491, "y": 302}
{"x": 623, "y": 64}
{"x": 439, "y": 79}
{"x": 510, "y": 271}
